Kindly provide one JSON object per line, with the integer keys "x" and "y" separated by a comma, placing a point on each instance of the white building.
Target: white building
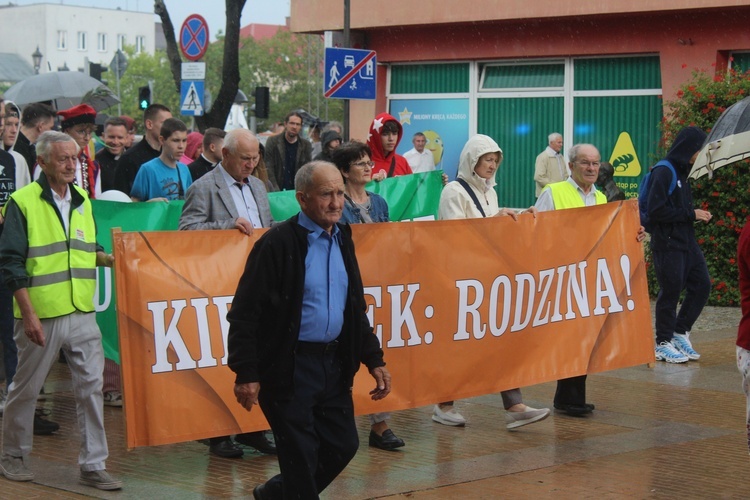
{"x": 68, "y": 35}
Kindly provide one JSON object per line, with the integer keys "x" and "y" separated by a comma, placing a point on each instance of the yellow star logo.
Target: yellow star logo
{"x": 405, "y": 116}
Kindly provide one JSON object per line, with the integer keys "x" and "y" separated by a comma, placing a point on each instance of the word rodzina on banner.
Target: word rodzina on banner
{"x": 462, "y": 308}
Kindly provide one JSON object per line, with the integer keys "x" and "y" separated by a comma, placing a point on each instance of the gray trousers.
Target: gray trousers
{"x": 79, "y": 337}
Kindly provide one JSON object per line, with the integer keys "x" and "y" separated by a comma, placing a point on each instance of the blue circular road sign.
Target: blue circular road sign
{"x": 194, "y": 37}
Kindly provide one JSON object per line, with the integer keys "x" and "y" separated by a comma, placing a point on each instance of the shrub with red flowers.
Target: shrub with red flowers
{"x": 699, "y": 103}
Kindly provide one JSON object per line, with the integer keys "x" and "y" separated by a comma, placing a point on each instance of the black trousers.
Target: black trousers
{"x": 315, "y": 433}
{"x": 571, "y": 391}
{"x": 677, "y": 271}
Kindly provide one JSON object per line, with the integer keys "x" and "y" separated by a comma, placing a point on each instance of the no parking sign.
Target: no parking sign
{"x": 194, "y": 37}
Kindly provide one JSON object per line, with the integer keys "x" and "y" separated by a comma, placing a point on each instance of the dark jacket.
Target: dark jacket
{"x": 130, "y": 162}
{"x": 264, "y": 320}
{"x": 200, "y": 167}
{"x": 275, "y": 154}
{"x": 24, "y": 147}
{"x": 108, "y": 166}
{"x": 672, "y": 216}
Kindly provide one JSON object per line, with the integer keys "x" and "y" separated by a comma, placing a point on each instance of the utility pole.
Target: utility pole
{"x": 347, "y": 43}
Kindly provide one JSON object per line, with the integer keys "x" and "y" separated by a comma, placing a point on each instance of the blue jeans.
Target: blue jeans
{"x": 677, "y": 271}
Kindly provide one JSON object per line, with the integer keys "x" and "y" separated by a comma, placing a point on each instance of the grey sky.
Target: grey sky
{"x": 255, "y": 11}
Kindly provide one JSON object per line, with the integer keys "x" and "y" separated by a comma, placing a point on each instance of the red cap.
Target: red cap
{"x": 83, "y": 113}
{"x": 129, "y": 122}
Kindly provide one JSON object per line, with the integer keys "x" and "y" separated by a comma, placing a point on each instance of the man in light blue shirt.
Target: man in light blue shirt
{"x": 165, "y": 178}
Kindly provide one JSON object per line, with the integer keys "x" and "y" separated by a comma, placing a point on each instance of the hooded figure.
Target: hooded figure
{"x": 672, "y": 216}
{"x": 473, "y": 196}
{"x": 679, "y": 263}
{"x": 193, "y": 148}
{"x": 385, "y": 157}
{"x": 455, "y": 201}
{"x": 327, "y": 150}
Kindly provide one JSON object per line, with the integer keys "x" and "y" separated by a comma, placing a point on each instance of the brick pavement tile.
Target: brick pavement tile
{"x": 662, "y": 432}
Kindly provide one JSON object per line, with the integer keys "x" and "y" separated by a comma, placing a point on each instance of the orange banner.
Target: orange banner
{"x": 462, "y": 308}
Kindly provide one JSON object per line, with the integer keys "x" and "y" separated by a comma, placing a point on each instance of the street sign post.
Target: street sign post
{"x": 349, "y": 74}
{"x": 194, "y": 37}
{"x": 191, "y": 97}
{"x": 193, "y": 71}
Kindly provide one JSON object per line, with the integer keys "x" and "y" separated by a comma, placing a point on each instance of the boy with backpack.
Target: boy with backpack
{"x": 667, "y": 212}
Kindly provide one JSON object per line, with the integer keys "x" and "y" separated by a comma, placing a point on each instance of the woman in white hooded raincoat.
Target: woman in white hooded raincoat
{"x": 478, "y": 163}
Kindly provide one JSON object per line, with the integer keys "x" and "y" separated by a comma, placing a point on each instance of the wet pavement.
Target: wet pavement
{"x": 667, "y": 431}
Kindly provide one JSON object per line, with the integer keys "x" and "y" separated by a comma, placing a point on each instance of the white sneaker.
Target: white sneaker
{"x": 682, "y": 343}
{"x": 515, "y": 419}
{"x": 448, "y": 416}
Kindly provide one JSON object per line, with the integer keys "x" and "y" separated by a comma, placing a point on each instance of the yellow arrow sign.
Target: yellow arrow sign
{"x": 624, "y": 158}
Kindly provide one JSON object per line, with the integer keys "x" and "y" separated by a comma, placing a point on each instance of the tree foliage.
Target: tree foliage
{"x": 699, "y": 103}
{"x": 289, "y": 64}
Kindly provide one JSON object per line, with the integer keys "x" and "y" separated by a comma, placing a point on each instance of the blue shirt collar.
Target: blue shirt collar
{"x": 314, "y": 228}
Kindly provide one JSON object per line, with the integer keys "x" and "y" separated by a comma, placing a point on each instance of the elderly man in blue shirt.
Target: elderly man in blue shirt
{"x": 298, "y": 334}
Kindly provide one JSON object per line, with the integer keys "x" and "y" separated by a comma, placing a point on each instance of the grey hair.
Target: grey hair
{"x": 417, "y": 134}
{"x": 47, "y": 139}
{"x": 573, "y": 152}
{"x": 333, "y": 125}
{"x": 232, "y": 139}
{"x": 303, "y": 180}
{"x": 553, "y": 136}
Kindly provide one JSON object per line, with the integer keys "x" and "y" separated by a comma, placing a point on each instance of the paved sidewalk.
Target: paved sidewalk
{"x": 672, "y": 431}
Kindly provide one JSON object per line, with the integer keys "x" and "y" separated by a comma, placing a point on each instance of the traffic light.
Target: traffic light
{"x": 261, "y": 102}
{"x": 96, "y": 70}
{"x": 144, "y": 96}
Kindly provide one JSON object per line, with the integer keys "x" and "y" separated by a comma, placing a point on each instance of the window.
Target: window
{"x": 121, "y": 41}
{"x": 101, "y": 42}
{"x": 82, "y": 42}
{"x": 140, "y": 43}
{"x": 522, "y": 76}
{"x": 62, "y": 40}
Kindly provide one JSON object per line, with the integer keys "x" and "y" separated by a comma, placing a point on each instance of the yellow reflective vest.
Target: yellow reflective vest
{"x": 61, "y": 268}
{"x": 565, "y": 195}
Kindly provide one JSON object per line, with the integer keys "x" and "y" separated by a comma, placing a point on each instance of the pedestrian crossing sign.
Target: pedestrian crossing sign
{"x": 191, "y": 97}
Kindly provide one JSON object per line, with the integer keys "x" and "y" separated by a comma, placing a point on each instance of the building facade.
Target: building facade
{"x": 597, "y": 72}
{"x": 68, "y": 36}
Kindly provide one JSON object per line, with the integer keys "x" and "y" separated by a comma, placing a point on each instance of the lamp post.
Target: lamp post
{"x": 37, "y": 58}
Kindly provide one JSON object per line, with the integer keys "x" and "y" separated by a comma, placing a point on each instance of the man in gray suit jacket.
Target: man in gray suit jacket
{"x": 229, "y": 197}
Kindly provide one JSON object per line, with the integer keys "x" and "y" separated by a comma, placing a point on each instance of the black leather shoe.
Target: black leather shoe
{"x": 257, "y": 440}
{"x": 575, "y": 410}
{"x": 44, "y": 427}
{"x": 388, "y": 441}
{"x": 259, "y": 492}
{"x": 226, "y": 449}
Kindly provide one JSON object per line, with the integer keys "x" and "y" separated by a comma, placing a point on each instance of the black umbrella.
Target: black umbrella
{"x": 728, "y": 142}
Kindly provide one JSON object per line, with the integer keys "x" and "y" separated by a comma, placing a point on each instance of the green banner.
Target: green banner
{"x": 154, "y": 216}
{"x": 408, "y": 197}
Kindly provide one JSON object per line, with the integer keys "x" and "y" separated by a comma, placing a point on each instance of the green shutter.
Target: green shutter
{"x": 600, "y": 120}
{"x": 520, "y": 126}
{"x": 524, "y": 76}
{"x": 450, "y": 78}
{"x": 617, "y": 73}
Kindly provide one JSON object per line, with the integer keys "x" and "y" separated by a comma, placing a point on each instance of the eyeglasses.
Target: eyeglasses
{"x": 363, "y": 164}
{"x": 82, "y": 132}
{"x": 587, "y": 164}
